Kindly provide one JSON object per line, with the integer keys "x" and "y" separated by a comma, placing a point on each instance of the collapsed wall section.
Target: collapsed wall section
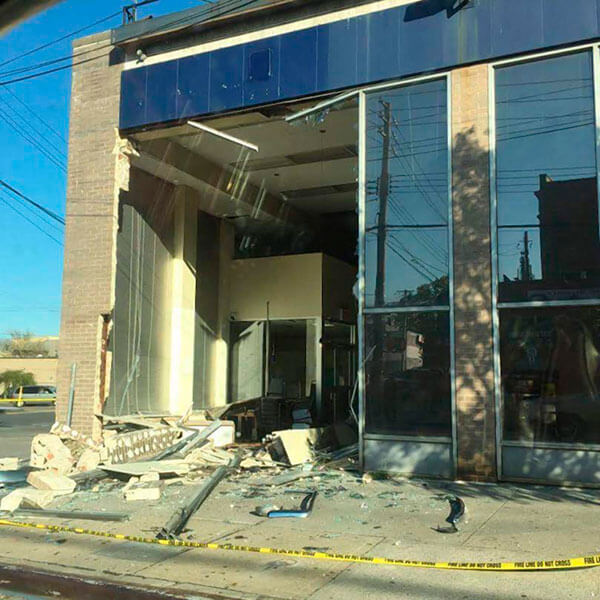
{"x": 140, "y": 340}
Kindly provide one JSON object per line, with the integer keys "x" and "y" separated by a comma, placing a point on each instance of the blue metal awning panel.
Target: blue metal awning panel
{"x": 390, "y": 44}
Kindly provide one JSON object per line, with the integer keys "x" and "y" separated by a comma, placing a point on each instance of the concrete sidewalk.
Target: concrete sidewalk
{"x": 391, "y": 518}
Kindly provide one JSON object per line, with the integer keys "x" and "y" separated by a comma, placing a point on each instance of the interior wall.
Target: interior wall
{"x": 141, "y": 333}
{"x": 207, "y": 327}
{"x": 338, "y": 283}
{"x": 220, "y": 387}
{"x": 291, "y": 284}
{"x": 183, "y": 310}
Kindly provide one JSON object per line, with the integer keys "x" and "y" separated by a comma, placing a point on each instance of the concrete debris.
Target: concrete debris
{"x": 288, "y": 477}
{"x": 152, "y": 476}
{"x": 295, "y": 445}
{"x": 162, "y": 467}
{"x": 64, "y": 432}
{"x": 135, "y": 420}
{"x": 136, "y": 445}
{"x": 142, "y": 490}
{"x": 209, "y": 456}
{"x": 223, "y": 434}
{"x": 28, "y": 497}
{"x": 10, "y": 464}
{"x": 367, "y": 478}
{"x": 260, "y": 460}
{"x": 47, "y": 480}
{"x": 48, "y": 451}
{"x": 11, "y": 501}
{"x": 88, "y": 460}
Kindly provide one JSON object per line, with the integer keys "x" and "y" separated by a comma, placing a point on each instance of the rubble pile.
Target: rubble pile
{"x": 142, "y": 456}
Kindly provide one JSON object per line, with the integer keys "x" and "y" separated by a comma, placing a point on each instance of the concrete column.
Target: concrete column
{"x": 183, "y": 302}
{"x": 472, "y": 275}
{"x": 220, "y": 382}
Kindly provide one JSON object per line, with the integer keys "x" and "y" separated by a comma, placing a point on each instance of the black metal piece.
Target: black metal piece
{"x": 181, "y": 516}
{"x": 130, "y": 11}
{"x": 70, "y": 514}
{"x": 184, "y": 19}
{"x": 306, "y": 507}
{"x": 457, "y": 511}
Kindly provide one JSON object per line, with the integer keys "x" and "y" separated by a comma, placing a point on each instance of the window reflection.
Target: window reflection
{"x": 551, "y": 374}
{"x": 406, "y": 235}
{"x": 548, "y": 240}
{"x": 408, "y": 374}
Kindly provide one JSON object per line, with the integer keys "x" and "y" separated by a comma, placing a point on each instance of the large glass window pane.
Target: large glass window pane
{"x": 548, "y": 242}
{"x": 550, "y": 360}
{"x": 408, "y": 374}
{"x": 406, "y": 236}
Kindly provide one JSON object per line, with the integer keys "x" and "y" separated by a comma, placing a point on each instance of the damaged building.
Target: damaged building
{"x": 296, "y": 214}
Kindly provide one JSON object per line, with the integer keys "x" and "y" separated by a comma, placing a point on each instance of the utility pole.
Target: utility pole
{"x": 384, "y": 190}
{"x": 376, "y": 385}
{"x": 526, "y": 269}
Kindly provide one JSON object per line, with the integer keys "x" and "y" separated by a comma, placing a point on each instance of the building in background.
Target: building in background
{"x": 282, "y": 201}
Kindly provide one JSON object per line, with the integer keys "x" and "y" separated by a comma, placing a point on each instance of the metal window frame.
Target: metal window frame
{"x": 360, "y": 92}
{"x": 363, "y": 311}
{"x": 224, "y": 136}
{"x": 361, "y": 95}
{"x": 594, "y": 49}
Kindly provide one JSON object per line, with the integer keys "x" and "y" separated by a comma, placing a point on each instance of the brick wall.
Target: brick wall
{"x": 472, "y": 275}
{"x": 91, "y": 223}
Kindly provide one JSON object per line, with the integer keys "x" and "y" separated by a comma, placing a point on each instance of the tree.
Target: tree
{"x": 15, "y": 378}
{"x": 22, "y": 344}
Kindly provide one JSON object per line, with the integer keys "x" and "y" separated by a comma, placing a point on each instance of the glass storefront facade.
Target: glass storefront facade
{"x": 407, "y": 263}
{"x": 548, "y": 264}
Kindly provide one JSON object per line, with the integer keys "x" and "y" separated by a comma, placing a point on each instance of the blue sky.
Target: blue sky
{"x": 30, "y": 262}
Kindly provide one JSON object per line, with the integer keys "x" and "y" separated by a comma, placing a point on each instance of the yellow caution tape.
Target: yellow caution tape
{"x": 24, "y": 401}
{"x": 534, "y": 565}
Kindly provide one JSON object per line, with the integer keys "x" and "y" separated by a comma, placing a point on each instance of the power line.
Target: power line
{"x": 60, "y": 39}
{"x": 49, "y": 71}
{"x": 36, "y": 212}
{"x": 109, "y": 45}
{"x": 43, "y": 121}
{"x": 45, "y": 210}
{"x": 27, "y": 123}
{"x": 11, "y": 206}
{"x": 54, "y": 61}
{"x": 25, "y": 135}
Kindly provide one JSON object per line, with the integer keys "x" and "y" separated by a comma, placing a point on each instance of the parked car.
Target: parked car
{"x": 33, "y": 394}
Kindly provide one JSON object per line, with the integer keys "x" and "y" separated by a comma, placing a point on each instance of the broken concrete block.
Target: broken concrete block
{"x": 132, "y": 481}
{"x": 49, "y": 451}
{"x": 9, "y": 464}
{"x": 152, "y": 476}
{"x": 11, "y": 501}
{"x": 60, "y": 466}
{"x": 29, "y": 497}
{"x": 47, "y": 480}
{"x": 143, "y": 491}
{"x": 88, "y": 460}
{"x": 296, "y": 444}
{"x": 37, "y": 498}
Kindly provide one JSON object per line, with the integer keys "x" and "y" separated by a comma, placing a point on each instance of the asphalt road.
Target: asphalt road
{"x": 18, "y": 428}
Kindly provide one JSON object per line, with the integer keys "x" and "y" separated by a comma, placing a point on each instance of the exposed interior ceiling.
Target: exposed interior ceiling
{"x": 310, "y": 166}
